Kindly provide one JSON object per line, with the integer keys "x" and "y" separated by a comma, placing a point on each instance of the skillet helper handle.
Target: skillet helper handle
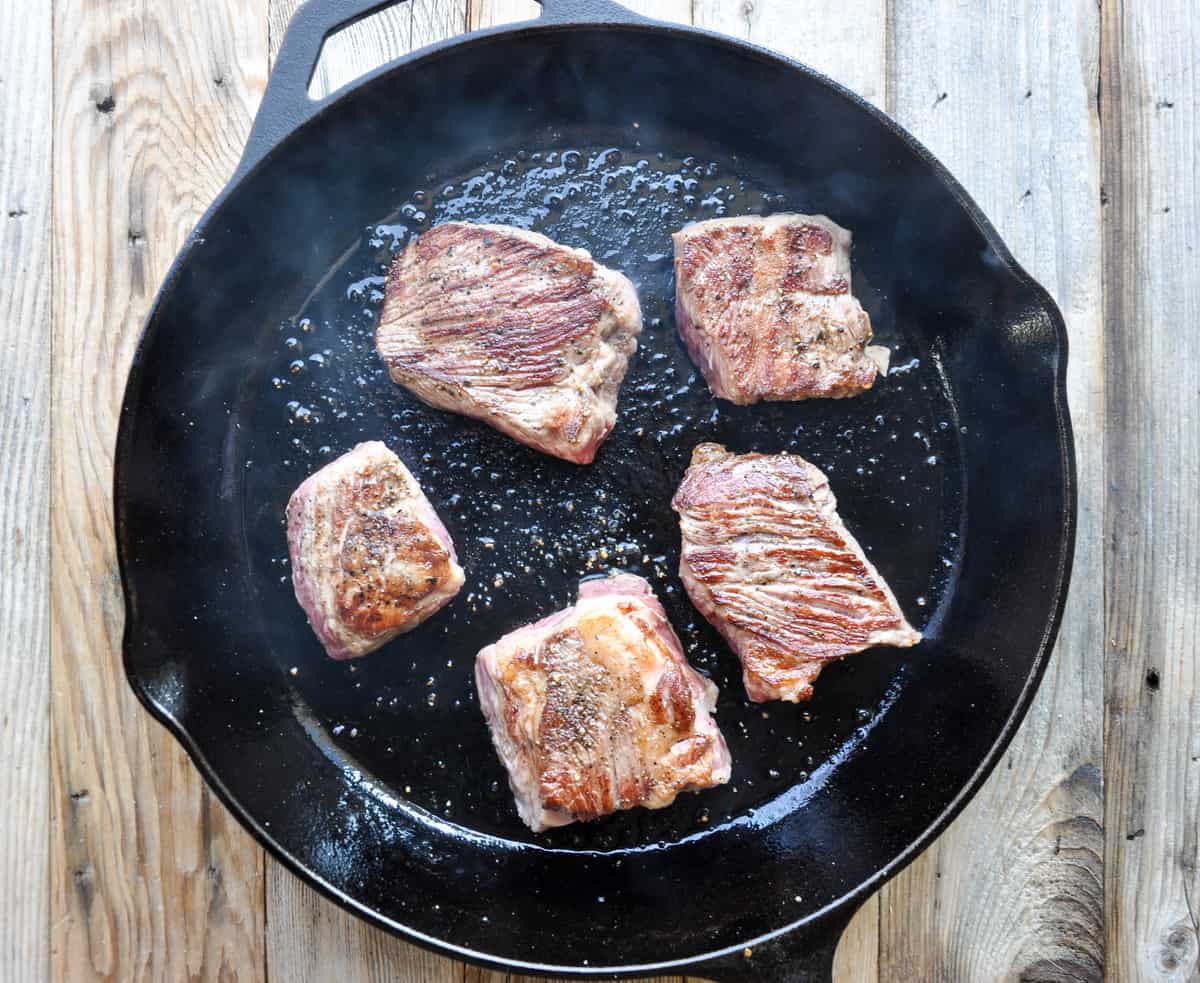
{"x": 286, "y": 103}
{"x": 802, "y": 956}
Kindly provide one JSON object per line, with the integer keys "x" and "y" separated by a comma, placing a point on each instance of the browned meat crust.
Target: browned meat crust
{"x": 768, "y": 561}
{"x": 595, "y": 709}
{"x": 764, "y": 307}
{"x": 512, "y": 328}
{"x": 370, "y": 558}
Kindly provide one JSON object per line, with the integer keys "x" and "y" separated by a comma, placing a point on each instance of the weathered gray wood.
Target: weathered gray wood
{"x": 308, "y": 938}
{"x": 150, "y": 877}
{"x": 1012, "y": 889}
{"x": 844, "y": 39}
{"x": 490, "y": 13}
{"x": 1151, "y": 106}
{"x": 680, "y": 11}
{"x": 25, "y": 212}
{"x": 1005, "y": 95}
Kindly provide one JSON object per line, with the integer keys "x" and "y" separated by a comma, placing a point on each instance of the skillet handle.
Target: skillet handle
{"x": 286, "y": 104}
{"x": 801, "y": 956}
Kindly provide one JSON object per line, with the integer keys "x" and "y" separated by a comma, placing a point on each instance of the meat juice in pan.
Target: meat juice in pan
{"x": 527, "y": 527}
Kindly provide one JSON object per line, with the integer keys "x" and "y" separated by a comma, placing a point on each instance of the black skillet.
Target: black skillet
{"x": 375, "y": 781}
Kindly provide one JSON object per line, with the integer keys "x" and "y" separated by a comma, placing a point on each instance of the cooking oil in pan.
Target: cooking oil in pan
{"x": 528, "y": 527}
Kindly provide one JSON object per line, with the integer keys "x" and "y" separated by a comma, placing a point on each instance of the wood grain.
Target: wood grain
{"x": 680, "y": 11}
{"x": 844, "y": 39}
{"x": 1006, "y": 97}
{"x": 1150, "y": 100}
{"x": 491, "y": 13}
{"x": 150, "y": 878}
{"x": 25, "y": 220}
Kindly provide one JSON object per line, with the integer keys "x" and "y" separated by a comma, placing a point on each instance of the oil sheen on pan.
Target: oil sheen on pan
{"x": 528, "y": 527}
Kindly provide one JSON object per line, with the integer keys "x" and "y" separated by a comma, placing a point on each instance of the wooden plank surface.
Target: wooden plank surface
{"x": 844, "y": 39}
{"x": 1151, "y": 97}
{"x": 25, "y": 217}
{"x": 150, "y": 878}
{"x": 1005, "y": 96}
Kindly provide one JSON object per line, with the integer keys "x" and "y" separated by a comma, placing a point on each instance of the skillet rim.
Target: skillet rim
{"x": 837, "y": 912}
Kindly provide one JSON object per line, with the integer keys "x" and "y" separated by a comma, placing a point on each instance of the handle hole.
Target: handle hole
{"x": 492, "y": 13}
{"x": 387, "y": 34}
{"x": 382, "y": 37}
{"x": 361, "y": 47}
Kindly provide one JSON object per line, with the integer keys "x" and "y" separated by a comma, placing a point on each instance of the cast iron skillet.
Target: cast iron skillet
{"x": 375, "y": 781}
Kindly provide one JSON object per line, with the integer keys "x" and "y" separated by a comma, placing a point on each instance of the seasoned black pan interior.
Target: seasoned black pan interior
{"x": 377, "y": 776}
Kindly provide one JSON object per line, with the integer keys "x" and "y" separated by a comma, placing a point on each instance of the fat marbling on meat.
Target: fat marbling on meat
{"x": 765, "y": 309}
{"x": 370, "y": 558}
{"x": 509, "y": 327}
{"x": 595, "y": 709}
{"x": 767, "y": 560}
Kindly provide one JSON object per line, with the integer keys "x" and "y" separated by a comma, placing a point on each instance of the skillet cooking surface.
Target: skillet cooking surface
{"x": 528, "y": 527}
{"x": 376, "y": 779}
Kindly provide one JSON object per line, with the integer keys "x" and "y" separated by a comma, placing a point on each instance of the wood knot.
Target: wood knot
{"x": 1085, "y": 778}
{"x": 102, "y": 98}
{"x": 1061, "y": 971}
{"x": 1179, "y": 948}
{"x": 84, "y": 881}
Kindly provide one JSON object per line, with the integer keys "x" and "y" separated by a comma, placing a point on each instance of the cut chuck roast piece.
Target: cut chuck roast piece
{"x": 768, "y": 561}
{"x": 511, "y": 328}
{"x": 595, "y": 709}
{"x": 764, "y": 307}
{"x": 370, "y": 558}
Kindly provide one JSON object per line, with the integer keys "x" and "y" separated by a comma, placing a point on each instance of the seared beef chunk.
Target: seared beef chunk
{"x": 513, "y": 329}
{"x": 768, "y": 561}
{"x": 370, "y": 558}
{"x": 595, "y": 709}
{"x": 765, "y": 309}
